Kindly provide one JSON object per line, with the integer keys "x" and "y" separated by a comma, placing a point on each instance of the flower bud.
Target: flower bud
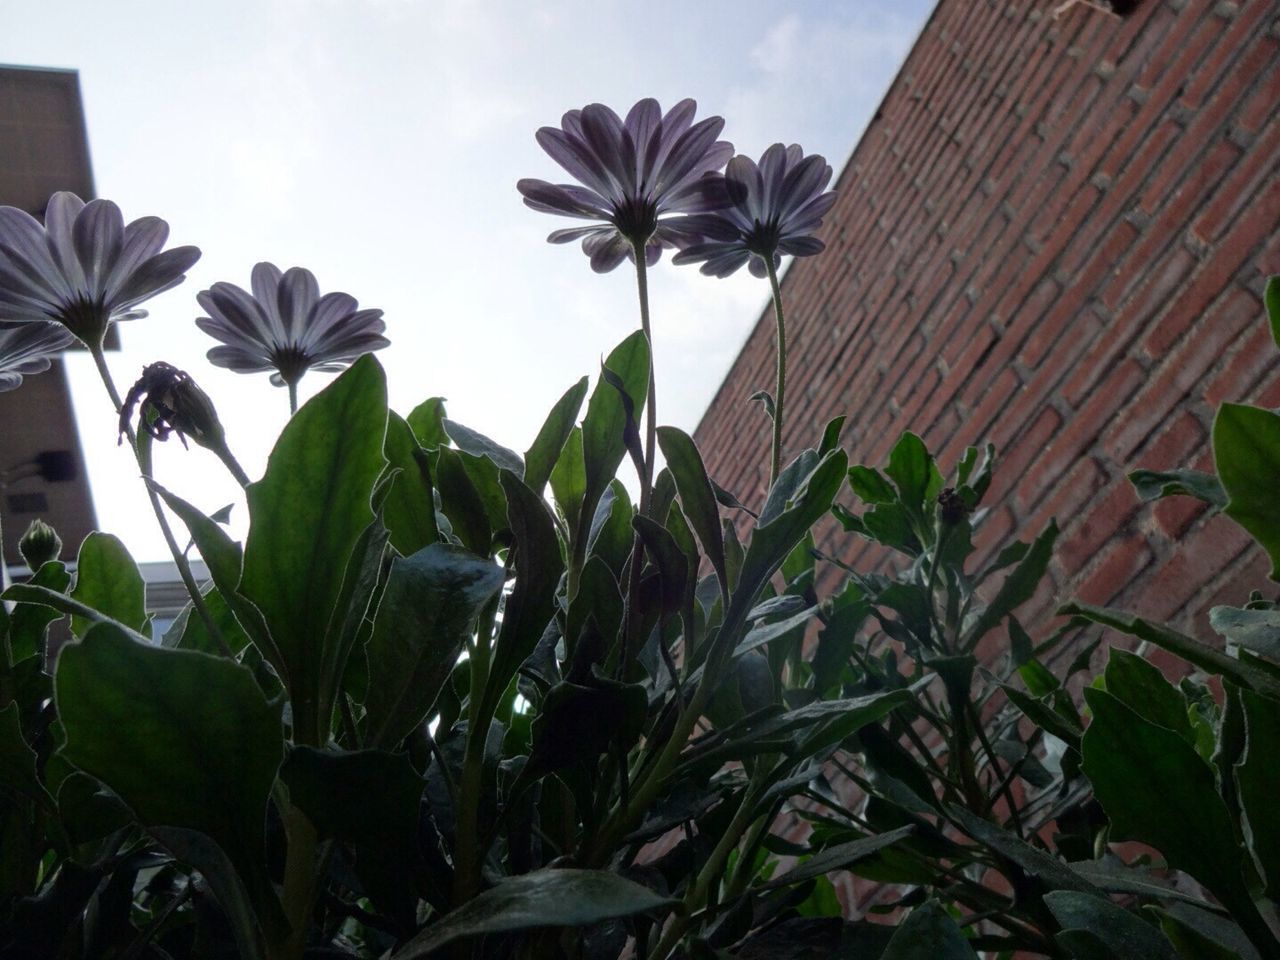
{"x": 951, "y": 507}
{"x": 39, "y": 544}
{"x": 169, "y": 401}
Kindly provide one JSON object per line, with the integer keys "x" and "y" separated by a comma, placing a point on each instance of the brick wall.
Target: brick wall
{"x": 1053, "y": 237}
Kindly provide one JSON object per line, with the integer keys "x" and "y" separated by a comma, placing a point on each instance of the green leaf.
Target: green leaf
{"x": 1116, "y": 877}
{"x": 831, "y": 435}
{"x": 429, "y": 609}
{"x": 772, "y": 542}
{"x": 108, "y": 580}
{"x": 543, "y": 898}
{"x": 1246, "y": 452}
{"x": 54, "y": 600}
{"x": 576, "y": 723}
{"x": 410, "y": 509}
{"x": 29, "y": 622}
{"x": 1271, "y": 299}
{"x": 478, "y": 445}
{"x": 18, "y": 761}
{"x": 569, "y": 479}
{"x": 531, "y": 604}
{"x": 911, "y": 469}
{"x": 1193, "y": 651}
{"x": 1157, "y": 484}
{"x": 306, "y": 516}
{"x": 221, "y": 554}
{"x": 1152, "y": 784}
{"x": 603, "y": 443}
{"x": 1045, "y": 717}
{"x": 1121, "y": 933}
{"x": 192, "y": 634}
{"x": 1256, "y": 630}
{"x": 837, "y": 857}
{"x": 1049, "y": 869}
{"x": 542, "y": 456}
{"x": 224, "y": 559}
{"x": 1198, "y": 934}
{"x": 1018, "y": 587}
{"x": 666, "y": 555}
{"x": 462, "y": 502}
{"x": 333, "y": 789}
{"x": 186, "y": 740}
{"x": 697, "y": 499}
{"x": 1258, "y": 780}
{"x": 870, "y": 486}
{"x": 1141, "y": 687}
{"x": 426, "y": 420}
{"x": 928, "y": 933}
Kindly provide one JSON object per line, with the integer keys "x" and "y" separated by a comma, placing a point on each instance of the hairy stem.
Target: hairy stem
{"x": 651, "y": 403}
{"x": 775, "y": 461}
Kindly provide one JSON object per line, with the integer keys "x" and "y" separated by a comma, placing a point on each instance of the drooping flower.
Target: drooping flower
{"x": 169, "y": 402}
{"x": 84, "y": 268}
{"x": 774, "y": 208}
{"x": 29, "y": 348}
{"x": 285, "y": 325}
{"x": 637, "y": 175}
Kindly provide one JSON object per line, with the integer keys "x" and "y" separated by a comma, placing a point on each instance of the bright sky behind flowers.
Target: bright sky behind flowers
{"x": 378, "y": 143}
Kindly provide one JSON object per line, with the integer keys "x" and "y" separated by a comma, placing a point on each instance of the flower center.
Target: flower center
{"x": 636, "y": 218}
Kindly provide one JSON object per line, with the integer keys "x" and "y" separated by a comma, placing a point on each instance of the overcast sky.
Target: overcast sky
{"x": 378, "y": 142}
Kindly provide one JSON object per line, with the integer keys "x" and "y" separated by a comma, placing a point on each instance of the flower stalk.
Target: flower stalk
{"x": 179, "y": 558}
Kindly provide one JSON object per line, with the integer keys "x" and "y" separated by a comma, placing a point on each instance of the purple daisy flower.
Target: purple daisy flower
{"x": 84, "y": 268}
{"x": 285, "y": 325}
{"x": 634, "y": 175}
{"x": 774, "y": 208}
{"x": 29, "y": 348}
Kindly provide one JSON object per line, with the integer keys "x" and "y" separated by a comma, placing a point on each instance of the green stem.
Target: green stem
{"x": 232, "y": 464}
{"x": 775, "y": 463}
{"x": 179, "y": 558}
{"x": 299, "y": 879}
{"x": 466, "y": 851}
{"x": 712, "y": 870}
{"x": 293, "y": 396}
{"x": 651, "y": 412}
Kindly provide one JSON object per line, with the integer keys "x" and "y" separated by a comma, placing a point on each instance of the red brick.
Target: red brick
{"x": 1074, "y": 248}
{"x": 1110, "y": 515}
{"x": 1124, "y": 560}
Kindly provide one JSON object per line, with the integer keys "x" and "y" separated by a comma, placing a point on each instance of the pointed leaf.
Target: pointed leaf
{"x": 542, "y": 456}
{"x": 928, "y": 933}
{"x": 1120, "y": 932}
{"x": 427, "y": 612}
{"x": 1157, "y": 484}
{"x": 426, "y": 420}
{"x": 543, "y": 898}
{"x": 410, "y": 510}
{"x": 838, "y": 857}
{"x": 305, "y": 517}
{"x": 697, "y": 499}
{"x": 603, "y": 440}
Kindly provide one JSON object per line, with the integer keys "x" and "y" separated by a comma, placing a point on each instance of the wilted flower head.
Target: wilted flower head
{"x": 286, "y": 326}
{"x": 774, "y": 209}
{"x": 169, "y": 401}
{"x": 635, "y": 174}
{"x": 29, "y": 348}
{"x": 84, "y": 267}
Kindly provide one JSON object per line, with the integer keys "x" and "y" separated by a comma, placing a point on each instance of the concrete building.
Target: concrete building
{"x": 43, "y": 149}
